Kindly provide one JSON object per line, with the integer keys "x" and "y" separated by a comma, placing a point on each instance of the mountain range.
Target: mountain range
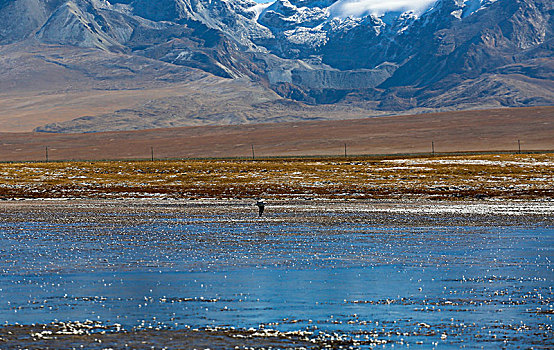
{"x": 238, "y": 61}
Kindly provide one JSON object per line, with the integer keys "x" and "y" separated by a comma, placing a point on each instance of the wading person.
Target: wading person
{"x": 261, "y": 205}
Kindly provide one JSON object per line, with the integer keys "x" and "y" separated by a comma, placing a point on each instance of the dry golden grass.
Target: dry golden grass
{"x": 525, "y": 176}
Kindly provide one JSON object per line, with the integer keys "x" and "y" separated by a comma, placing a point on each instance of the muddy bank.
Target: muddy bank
{"x": 91, "y": 335}
{"x": 389, "y": 213}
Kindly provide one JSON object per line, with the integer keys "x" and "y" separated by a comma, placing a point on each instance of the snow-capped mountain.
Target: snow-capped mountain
{"x": 391, "y": 55}
{"x": 419, "y": 43}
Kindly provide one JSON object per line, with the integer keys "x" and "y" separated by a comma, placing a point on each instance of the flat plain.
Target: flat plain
{"x": 464, "y": 131}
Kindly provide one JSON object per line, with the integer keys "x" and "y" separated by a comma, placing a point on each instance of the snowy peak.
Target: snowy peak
{"x": 303, "y": 11}
{"x": 378, "y": 8}
{"x": 318, "y": 51}
{"x": 283, "y": 15}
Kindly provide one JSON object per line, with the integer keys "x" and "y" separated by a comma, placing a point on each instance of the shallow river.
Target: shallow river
{"x": 364, "y": 278}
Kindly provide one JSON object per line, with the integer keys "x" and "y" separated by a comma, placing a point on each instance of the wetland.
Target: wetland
{"x": 337, "y": 267}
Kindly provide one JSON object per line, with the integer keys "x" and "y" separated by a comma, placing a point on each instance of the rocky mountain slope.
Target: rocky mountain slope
{"x": 379, "y": 56}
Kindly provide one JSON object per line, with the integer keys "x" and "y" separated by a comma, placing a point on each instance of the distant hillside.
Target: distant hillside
{"x": 496, "y": 130}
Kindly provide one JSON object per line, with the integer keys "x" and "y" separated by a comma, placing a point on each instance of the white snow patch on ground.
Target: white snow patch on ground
{"x": 506, "y": 208}
{"x": 469, "y": 162}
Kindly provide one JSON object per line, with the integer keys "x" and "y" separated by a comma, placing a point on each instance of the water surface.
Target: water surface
{"x": 439, "y": 282}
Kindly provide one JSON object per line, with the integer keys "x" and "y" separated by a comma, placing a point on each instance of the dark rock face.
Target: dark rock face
{"x": 455, "y": 53}
{"x": 476, "y": 44}
{"x": 20, "y": 18}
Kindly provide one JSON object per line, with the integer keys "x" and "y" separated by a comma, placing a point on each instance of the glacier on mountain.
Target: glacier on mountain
{"x": 300, "y": 12}
{"x": 378, "y": 8}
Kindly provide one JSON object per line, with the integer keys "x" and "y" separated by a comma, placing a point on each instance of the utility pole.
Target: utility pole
{"x": 433, "y": 147}
{"x": 519, "y": 146}
{"x": 345, "y": 151}
{"x": 46, "y": 154}
{"x": 152, "y": 152}
{"x": 253, "y": 152}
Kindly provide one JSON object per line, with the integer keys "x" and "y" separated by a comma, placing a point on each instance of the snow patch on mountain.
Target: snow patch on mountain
{"x": 471, "y": 6}
{"x": 377, "y": 8}
{"x": 259, "y": 8}
{"x": 388, "y": 10}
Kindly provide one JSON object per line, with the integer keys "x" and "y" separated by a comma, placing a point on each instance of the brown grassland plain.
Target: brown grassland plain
{"x": 462, "y": 131}
{"x": 500, "y": 176}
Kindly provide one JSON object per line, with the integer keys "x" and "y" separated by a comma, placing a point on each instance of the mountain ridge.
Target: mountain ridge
{"x": 444, "y": 54}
